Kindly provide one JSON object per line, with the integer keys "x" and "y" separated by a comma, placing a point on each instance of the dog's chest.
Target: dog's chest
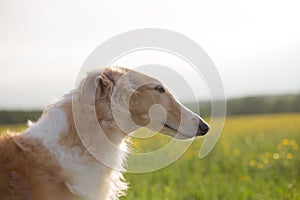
{"x": 85, "y": 177}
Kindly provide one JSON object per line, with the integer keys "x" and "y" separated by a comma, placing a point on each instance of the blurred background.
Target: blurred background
{"x": 255, "y": 46}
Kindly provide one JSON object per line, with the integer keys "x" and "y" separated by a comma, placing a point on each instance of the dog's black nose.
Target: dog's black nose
{"x": 203, "y": 128}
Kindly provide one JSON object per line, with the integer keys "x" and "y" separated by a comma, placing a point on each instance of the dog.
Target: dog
{"x": 49, "y": 160}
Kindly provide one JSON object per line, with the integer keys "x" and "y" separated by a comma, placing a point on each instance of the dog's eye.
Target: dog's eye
{"x": 160, "y": 89}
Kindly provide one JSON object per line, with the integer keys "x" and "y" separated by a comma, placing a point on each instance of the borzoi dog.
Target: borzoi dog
{"x": 49, "y": 161}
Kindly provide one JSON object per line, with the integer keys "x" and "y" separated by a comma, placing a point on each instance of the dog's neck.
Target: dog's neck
{"x": 52, "y": 122}
{"x": 58, "y": 132}
{"x": 57, "y": 123}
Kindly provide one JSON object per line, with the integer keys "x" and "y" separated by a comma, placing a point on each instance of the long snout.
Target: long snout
{"x": 192, "y": 124}
{"x": 195, "y": 120}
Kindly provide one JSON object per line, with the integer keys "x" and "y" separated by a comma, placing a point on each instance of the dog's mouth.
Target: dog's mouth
{"x": 170, "y": 127}
{"x": 202, "y": 130}
{"x": 177, "y": 131}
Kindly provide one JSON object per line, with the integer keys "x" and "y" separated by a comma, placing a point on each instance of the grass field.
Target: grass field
{"x": 257, "y": 157}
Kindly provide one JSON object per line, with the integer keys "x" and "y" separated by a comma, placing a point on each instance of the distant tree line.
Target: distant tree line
{"x": 238, "y": 106}
{"x": 257, "y": 105}
{"x": 254, "y": 105}
{"x": 18, "y": 117}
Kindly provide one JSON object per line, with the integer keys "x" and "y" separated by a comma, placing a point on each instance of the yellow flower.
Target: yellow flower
{"x": 268, "y": 155}
{"x": 236, "y": 152}
{"x": 260, "y": 165}
{"x": 244, "y": 177}
{"x": 294, "y": 144}
{"x": 266, "y": 161}
{"x": 285, "y": 141}
{"x": 289, "y": 156}
{"x": 276, "y": 156}
{"x": 137, "y": 143}
{"x": 252, "y": 163}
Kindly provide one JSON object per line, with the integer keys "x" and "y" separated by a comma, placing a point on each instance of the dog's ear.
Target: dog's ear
{"x": 94, "y": 87}
{"x": 104, "y": 84}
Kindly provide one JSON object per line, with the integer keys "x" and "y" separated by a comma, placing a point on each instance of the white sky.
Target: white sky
{"x": 254, "y": 44}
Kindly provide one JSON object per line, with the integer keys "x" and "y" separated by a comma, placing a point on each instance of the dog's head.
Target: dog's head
{"x": 130, "y": 96}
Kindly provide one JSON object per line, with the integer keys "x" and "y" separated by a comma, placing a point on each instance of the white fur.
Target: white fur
{"x": 87, "y": 178}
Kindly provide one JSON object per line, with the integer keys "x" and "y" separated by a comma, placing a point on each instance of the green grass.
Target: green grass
{"x": 11, "y": 128}
{"x": 257, "y": 157}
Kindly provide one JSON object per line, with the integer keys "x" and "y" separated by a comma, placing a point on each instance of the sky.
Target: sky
{"x": 255, "y": 45}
